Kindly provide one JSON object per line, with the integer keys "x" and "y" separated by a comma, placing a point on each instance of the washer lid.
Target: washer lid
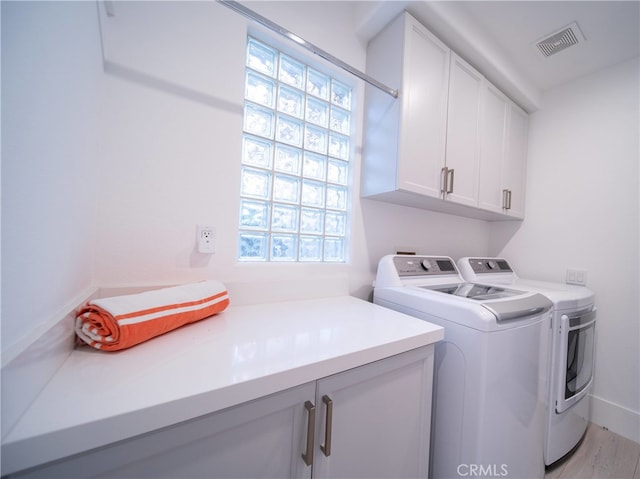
{"x": 519, "y": 308}
{"x": 513, "y": 304}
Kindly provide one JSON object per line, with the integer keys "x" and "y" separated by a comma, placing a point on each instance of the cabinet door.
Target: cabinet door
{"x": 382, "y": 112}
{"x": 262, "y": 438}
{"x": 381, "y": 416}
{"x": 492, "y": 151}
{"x": 463, "y": 132}
{"x": 514, "y": 170}
{"x": 424, "y": 111}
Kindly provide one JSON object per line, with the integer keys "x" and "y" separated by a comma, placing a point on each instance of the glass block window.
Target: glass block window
{"x": 295, "y": 160}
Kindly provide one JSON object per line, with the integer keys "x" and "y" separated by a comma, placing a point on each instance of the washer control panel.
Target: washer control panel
{"x": 490, "y": 265}
{"x": 424, "y": 265}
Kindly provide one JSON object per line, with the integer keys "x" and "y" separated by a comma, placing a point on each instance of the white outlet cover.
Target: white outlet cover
{"x": 576, "y": 276}
{"x": 206, "y": 239}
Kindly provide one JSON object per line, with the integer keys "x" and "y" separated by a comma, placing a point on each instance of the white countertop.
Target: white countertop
{"x": 246, "y": 352}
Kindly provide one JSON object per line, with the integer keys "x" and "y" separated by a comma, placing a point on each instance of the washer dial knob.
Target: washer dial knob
{"x": 426, "y": 264}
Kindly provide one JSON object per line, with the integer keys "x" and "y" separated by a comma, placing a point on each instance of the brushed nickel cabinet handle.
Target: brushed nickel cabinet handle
{"x": 444, "y": 179}
{"x": 505, "y": 199}
{"x": 307, "y": 456}
{"x": 450, "y": 183}
{"x": 509, "y": 200}
{"x": 326, "y": 447}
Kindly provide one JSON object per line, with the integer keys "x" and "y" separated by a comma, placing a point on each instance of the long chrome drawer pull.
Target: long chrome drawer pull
{"x": 307, "y": 456}
{"x": 326, "y": 448}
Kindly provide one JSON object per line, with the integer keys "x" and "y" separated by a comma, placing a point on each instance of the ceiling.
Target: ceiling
{"x": 499, "y": 37}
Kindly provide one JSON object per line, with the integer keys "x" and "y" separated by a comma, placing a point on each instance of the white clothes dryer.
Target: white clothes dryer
{"x": 571, "y": 362}
{"x": 488, "y": 415}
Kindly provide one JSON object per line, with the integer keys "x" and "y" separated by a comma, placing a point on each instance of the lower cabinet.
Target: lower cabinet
{"x": 381, "y": 418}
{"x": 255, "y": 439}
{"x": 370, "y": 421}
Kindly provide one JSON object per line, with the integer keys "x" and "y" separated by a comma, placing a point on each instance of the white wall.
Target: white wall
{"x": 172, "y": 142}
{"x": 142, "y": 152}
{"x": 51, "y": 84}
{"x": 583, "y": 212}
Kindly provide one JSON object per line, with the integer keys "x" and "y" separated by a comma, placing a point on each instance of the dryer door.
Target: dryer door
{"x": 577, "y": 337}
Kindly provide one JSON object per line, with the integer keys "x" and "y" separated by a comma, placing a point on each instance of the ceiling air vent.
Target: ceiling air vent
{"x": 560, "y": 40}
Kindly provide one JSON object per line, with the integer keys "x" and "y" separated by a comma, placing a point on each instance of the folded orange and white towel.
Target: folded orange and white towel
{"x": 120, "y": 322}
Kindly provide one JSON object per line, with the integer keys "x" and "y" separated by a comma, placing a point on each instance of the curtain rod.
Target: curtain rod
{"x": 239, "y": 8}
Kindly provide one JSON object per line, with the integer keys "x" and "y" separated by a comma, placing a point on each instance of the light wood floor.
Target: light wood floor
{"x": 602, "y": 454}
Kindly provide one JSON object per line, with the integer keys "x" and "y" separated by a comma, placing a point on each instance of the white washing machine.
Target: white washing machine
{"x": 571, "y": 361}
{"x": 490, "y": 375}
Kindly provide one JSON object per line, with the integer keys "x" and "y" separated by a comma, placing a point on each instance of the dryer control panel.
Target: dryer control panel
{"x": 489, "y": 265}
{"x": 424, "y": 265}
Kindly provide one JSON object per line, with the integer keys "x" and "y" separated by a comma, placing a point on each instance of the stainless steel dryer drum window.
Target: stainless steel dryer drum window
{"x": 294, "y": 193}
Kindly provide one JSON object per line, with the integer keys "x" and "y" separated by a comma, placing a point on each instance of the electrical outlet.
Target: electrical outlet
{"x": 576, "y": 276}
{"x": 206, "y": 239}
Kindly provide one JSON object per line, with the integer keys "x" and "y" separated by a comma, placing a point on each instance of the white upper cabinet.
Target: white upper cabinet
{"x": 451, "y": 142}
{"x": 515, "y": 168}
{"x": 405, "y": 137}
{"x": 503, "y": 155}
{"x": 495, "y": 111}
{"x": 462, "y": 162}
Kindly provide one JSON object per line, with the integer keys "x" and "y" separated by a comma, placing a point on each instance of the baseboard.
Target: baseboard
{"x": 616, "y": 418}
{"x": 28, "y": 365}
